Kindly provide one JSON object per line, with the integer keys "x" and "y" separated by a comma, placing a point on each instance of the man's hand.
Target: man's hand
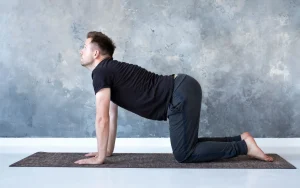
{"x": 92, "y": 160}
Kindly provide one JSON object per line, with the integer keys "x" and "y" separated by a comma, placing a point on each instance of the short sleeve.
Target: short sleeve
{"x": 102, "y": 78}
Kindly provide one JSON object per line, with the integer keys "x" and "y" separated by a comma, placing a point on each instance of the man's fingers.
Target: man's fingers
{"x": 92, "y": 160}
{"x": 78, "y": 162}
{"x": 82, "y": 161}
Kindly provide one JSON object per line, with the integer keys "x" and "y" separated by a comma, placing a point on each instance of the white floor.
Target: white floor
{"x": 21, "y": 177}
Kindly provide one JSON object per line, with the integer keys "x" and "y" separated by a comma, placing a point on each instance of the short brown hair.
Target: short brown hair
{"x": 106, "y": 45}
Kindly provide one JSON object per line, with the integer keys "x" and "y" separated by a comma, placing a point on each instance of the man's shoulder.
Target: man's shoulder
{"x": 101, "y": 72}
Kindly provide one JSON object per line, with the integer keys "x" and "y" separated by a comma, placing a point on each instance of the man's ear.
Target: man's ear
{"x": 96, "y": 53}
{"x": 96, "y": 50}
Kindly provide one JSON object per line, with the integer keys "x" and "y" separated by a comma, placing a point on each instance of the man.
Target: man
{"x": 157, "y": 97}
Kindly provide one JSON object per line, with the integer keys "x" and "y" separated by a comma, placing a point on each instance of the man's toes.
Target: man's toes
{"x": 268, "y": 158}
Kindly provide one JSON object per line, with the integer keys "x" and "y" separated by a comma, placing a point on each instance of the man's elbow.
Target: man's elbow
{"x": 102, "y": 120}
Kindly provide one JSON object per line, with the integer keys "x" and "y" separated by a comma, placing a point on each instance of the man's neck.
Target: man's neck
{"x": 92, "y": 66}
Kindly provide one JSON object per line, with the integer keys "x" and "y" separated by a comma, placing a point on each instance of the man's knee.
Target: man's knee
{"x": 181, "y": 158}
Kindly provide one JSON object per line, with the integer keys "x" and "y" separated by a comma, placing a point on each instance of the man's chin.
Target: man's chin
{"x": 84, "y": 64}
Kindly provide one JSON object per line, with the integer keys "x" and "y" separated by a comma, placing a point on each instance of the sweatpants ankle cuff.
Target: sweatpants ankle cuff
{"x": 242, "y": 146}
{"x": 237, "y": 138}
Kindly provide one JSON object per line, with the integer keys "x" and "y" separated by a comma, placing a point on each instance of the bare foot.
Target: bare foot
{"x": 245, "y": 135}
{"x": 255, "y": 151}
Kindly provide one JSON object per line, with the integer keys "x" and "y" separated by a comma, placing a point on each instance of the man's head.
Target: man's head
{"x": 97, "y": 47}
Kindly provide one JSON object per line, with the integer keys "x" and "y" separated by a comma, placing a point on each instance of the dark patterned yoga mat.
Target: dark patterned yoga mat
{"x": 147, "y": 160}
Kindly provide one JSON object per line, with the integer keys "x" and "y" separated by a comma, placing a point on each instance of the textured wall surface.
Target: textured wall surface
{"x": 245, "y": 55}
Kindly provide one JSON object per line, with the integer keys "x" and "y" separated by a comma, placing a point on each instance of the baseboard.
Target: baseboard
{"x": 156, "y": 142}
{"x": 89, "y": 144}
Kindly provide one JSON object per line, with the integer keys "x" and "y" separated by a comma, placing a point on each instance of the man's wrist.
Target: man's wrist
{"x": 100, "y": 158}
{"x": 101, "y": 154}
{"x": 108, "y": 153}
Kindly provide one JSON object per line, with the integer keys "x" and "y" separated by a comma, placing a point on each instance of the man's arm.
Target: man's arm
{"x": 113, "y": 115}
{"x": 102, "y": 121}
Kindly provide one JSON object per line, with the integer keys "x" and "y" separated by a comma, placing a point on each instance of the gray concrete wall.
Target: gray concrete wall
{"x": 245, "y": 54}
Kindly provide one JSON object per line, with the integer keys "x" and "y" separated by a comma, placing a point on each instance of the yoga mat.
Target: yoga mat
{"x": 147, "y": 160}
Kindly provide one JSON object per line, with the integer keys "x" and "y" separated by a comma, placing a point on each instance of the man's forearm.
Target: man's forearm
{"x": 102, "y": 132}
{"x": 112, "y": 134}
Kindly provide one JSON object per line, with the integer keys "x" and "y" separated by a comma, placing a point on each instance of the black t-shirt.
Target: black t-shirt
{"x": 134, "y": 88}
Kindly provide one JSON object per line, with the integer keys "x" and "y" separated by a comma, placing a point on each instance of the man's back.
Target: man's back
{"x": 134, "y": 88}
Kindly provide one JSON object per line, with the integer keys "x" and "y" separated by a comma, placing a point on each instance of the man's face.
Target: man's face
{"x": 87, "y": 53}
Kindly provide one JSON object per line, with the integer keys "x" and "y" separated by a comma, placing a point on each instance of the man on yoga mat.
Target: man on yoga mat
{"x": 157, "y": 97}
